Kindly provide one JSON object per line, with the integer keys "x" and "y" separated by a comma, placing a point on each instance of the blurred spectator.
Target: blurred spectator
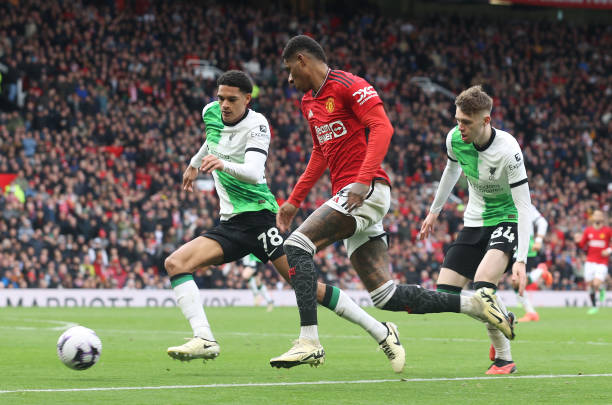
{"x": 111, "y": 116}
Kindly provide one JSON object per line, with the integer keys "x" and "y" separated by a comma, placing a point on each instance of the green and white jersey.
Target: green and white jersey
{"x": 230, "y": 143}
{"x": 491, "y": 171}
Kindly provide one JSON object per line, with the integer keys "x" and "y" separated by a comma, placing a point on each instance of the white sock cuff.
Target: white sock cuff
{"x": 383, "y": 294}
{"x": 299, "y": 240}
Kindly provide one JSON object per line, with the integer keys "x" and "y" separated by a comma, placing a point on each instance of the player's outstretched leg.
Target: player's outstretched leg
{"x": 416, "y": 300}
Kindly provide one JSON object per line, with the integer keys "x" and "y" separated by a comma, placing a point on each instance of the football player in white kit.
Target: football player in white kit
{"x": 496, "y": 219}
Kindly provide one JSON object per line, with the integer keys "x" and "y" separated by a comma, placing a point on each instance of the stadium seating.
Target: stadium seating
{"x": 111, "y": 116}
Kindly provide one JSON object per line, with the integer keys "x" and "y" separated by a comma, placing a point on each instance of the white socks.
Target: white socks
{"x": 188, "y": 299}
{"x": 467, "y": 305}
{"x": 310, "y": 332}
{"x": 263, "y": 290}
{"x": 349, "y": 310}
{"x": 252, "y": 283}
{"x": 525, "y": 303}
{"x": 500, "y": 343}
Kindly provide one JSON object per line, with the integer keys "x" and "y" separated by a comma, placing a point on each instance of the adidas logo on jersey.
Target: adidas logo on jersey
{"x": 310, "y": 114}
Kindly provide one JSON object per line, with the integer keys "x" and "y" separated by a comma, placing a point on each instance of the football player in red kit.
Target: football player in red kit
{"x": 596, "y": 239}
{"x": 339, "y": 106}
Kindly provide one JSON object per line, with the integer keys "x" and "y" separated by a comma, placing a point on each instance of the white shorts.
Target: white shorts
{"x": 595, "y": 271}
{"x": 368, "y": 217}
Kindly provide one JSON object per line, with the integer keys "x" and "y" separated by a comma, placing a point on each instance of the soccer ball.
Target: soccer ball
{"x": 79, "y": 348}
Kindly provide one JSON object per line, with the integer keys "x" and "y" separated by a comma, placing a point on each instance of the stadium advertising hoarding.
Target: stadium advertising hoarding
{"x": 230, "y": 298}
{"x": 592, "y": 4}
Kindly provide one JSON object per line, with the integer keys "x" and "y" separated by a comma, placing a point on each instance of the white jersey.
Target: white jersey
{"x": 230, "y": 143}
{"x": 492, "y": 171}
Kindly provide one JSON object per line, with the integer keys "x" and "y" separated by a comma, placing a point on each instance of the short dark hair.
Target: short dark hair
{"x": 236, "y": 78}
{"x": 303, "y": 43}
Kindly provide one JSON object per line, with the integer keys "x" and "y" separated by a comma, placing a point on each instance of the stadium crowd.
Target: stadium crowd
{"x": 111, "y": 116}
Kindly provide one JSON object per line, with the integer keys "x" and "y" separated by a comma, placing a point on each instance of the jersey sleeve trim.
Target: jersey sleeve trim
{"x": 256, "y": 150}
{"x": 450, "y": 158}
{"x": 518, "y": 183}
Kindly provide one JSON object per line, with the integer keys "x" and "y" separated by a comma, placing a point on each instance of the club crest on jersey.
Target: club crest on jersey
{"x": 330, "y": 104}
{"x": 492, "y": 173}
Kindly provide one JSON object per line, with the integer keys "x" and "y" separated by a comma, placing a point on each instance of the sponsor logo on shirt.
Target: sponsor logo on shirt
{"x": 514, "y": 166}
{"x": 255, "y": 134}
{"x": 215, "y": 151}
{"x": 330, "y": 105}
{"x": 364, "y": 94}
{"x": 334, "y": 129}
{"x": 485, "y": 188}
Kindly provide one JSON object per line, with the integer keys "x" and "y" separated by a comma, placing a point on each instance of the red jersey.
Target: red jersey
{"x": 596, "y": 240}
{"x": 337, "y": 132}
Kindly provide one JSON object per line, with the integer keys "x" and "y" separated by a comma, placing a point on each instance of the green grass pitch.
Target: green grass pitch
{"x": 565, "y": 358}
